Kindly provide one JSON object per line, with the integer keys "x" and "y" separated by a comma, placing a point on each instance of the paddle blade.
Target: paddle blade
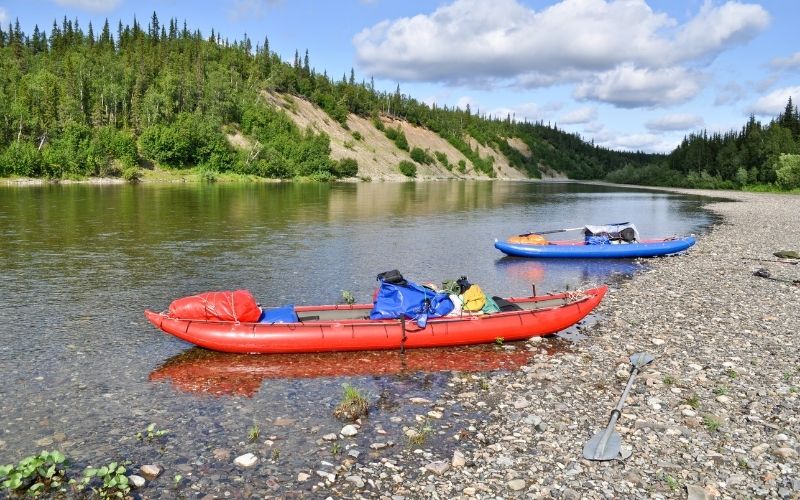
{"x": 603, "y": 449}
{"x": 641, "y": 359}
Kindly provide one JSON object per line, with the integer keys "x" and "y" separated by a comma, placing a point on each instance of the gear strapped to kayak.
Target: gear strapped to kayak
{"x": 398, "y": 297}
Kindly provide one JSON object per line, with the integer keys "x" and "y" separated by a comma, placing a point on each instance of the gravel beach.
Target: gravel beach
{"x": 717, "y": 414}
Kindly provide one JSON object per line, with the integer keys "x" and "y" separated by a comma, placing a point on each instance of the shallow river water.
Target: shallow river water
{"x": 82, "y": 371}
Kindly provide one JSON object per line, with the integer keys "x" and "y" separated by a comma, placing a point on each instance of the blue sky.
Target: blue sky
{"x": 628, "y": 74}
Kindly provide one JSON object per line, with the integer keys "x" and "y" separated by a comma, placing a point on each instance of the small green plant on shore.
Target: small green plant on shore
{"x": 276, "y": 454}
{"x": 347, "y": 297}
{"x": 132, "y": 175}
{"x": 692, "y": 401}
{"x": 254, "y": 432}
{"x": 420, "y": 433}
{"x": 336, "y": 449}
{"x": 483, "y": 383}
{"x": 499, "y": 341}
{"x": 150, "y": 433}
{"x": 113, "y": 479}
{"x": 670, "y": 380}
{"x": 720, "y": 391}
{"x": 730, "y": 372}
{"x": 177, "y": 479}
{"x": 407, "y": 168}
{"x": 712, "y": 423}
{"x": 743, "y": 463}
{"x": 671, "y": 482}
{"x": 353, "y": 404}
{"x": 34, "y": 474}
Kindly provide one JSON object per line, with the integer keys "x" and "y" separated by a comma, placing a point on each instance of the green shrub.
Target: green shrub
{"x": 421, "y": 156}
{"x": 462, "y": 166}
{"x": 408, "y": 169}
{"x": 398, "y": 137}
{"x": 378, "y": 123}
{"x": 787, "y": 170}
{"x": 21, "y": 158}
{"x": 357, "y": 136}
{"x": 132, "y": 175}
{"x": 443, "y": 160}
{"x": 346, "y": 167}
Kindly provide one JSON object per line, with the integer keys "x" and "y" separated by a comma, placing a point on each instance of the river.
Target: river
{"x": 82, "y": 371}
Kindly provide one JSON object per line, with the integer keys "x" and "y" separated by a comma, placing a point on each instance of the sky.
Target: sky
{"x": 626, "y": 74}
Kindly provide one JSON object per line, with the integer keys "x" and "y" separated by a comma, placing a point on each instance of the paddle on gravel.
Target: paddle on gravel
{"x": 605, "y": 445}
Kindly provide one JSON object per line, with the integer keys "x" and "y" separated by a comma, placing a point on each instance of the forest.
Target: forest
{"x": 77, "y": 103}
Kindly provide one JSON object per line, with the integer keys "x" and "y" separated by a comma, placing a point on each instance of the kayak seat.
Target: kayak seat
{"x": 505, "y": 305}
{"x": 308, "y": 318}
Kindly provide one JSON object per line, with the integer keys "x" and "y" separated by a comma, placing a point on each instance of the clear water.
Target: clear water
{"x": 83, "y": 371}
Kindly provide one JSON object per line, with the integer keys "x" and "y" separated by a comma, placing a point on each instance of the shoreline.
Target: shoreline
{"x": 717, "y": 414}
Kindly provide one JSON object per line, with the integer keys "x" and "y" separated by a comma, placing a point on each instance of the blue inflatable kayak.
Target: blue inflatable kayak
{"x": 580, "y": 250}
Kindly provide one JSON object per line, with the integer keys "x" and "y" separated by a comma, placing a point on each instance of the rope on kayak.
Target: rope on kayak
{"x": 403, "y": 338}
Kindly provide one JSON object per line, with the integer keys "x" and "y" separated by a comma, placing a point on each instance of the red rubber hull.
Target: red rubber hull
{"x": 365, "y": 334}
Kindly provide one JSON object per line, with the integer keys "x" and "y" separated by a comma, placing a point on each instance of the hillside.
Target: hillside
{"x": 377, "y": 155}
{"x": 74, "y": 105}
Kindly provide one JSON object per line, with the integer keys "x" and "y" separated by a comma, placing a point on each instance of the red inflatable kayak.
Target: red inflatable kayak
{"x": 348, "y": 327}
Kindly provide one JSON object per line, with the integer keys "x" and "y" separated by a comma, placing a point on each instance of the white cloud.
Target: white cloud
{"x": 580, "y": 115}
{"x": 675, "y": 122}
{"x": 787, "y": 63}
{"x": 3, "y": 15}
{"x": 629, "y": 87}
{"x": 568, "y": 42}
{"x": 775, "y": 102}
{"x": 529, "y": 111}
{"x": 650, "y": 143}
{"x": 92, "y": 5}
{"x": 465, "y": 101}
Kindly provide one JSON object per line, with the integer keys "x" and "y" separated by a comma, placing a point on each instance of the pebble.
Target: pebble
{"x": 302, "y": 476}
{"x": 136, "y": 481}
{"x": 330, "y": 437}
{"x": 150, "y": 471}
{"x": 246, "y": 460}
{"x": 439, "y": 467}
{"x": 785, "y": 453}
{"x": 349, "y": 430}
{"x": 458, "y": 459}
{"x": 516, "y": 484}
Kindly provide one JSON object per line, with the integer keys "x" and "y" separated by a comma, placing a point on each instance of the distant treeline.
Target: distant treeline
{"x": 757, "y": 155}
{"x": 77, "y": 103}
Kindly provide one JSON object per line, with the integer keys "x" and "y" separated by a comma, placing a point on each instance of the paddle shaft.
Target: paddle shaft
{"x": 616, "y": 412}
{"x": 568, "y": 229}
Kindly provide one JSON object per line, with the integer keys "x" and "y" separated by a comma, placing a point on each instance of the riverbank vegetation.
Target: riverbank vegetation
{"x": 106, "y": 102}
{"x": 757, "y": 157}
{"x": 117, "y": 102}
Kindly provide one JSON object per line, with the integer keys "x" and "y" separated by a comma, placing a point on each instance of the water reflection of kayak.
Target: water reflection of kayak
{"x": 202, "y": 371}
{"x": 566, "y": 270}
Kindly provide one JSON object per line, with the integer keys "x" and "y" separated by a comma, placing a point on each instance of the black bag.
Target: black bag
{"x": 463, "y": 284}
{"x": 628, "y": 235}
{"x": 394, "y": 277}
